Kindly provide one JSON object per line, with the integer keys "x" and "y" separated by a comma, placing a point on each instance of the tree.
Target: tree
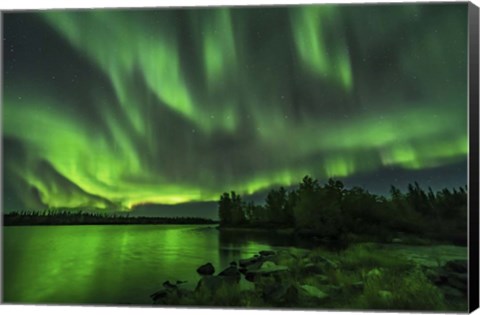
{"x": 305, "y": 206}
{"x": 225, "y": 209}
{"x": 237, "y": 209}
{"x": 275, "y": 204}
{"x": 308, "y": 185}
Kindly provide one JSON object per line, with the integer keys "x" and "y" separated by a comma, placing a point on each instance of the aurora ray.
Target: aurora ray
{"x": 116, "y": 108}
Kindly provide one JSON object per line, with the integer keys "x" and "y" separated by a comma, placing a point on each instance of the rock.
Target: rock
{"x": 247, "y": 262}
{"x": 311, "y": 292}
{"x": 459, "y": 265}
{"x": 231, "y": 272}
{"x": 206, "y": 269}
{"x": 266, "y": 253}
{"x": 268, "y": 268}
{"x": 171, "y": 294}
{"x": 251, "y": 267}
{"x": 212, "y": 284}
{"x": 283, "y": 258}
{"x": 168, "y": 285}
{"x": 159, "y": 295}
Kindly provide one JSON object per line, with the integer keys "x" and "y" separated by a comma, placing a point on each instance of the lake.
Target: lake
{"x": 124, "y": 264}
{"x": 112, "y": 264}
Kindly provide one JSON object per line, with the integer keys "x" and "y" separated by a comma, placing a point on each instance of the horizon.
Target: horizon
{"x": 209, "y": 209}
{"x": 118, "y": 108}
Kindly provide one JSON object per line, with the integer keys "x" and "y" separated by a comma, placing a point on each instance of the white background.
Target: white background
{"x": 74, "y": 310}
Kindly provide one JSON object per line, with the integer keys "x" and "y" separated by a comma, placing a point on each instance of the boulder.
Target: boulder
{"x": 268, "y": 268}
{"x": 169, "y": 286}
{"x": 231, "y": 272}
{"x": 266, "y": 253}
{"x": 159, "y": 295}
{"x": 283, "y": 257}
{"x": 251, "y": 267}
{"x": 170, "y": 294}
{"x": 247, "y": 262}
{"x": 212, "y": 284}
{"x": 206, "y": 270}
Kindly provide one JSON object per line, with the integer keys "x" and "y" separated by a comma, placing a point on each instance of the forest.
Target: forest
{"x": 69, "y": 217}
{"x": 333, "y": 212}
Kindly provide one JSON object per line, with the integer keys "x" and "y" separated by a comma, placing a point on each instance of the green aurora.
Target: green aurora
{"x": 118, "y": 108}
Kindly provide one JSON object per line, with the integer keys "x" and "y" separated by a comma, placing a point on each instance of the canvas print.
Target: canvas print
{"x": 294, "y": 157}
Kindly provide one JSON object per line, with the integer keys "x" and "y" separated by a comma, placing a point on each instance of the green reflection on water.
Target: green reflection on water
{"x": 110, "y": 264}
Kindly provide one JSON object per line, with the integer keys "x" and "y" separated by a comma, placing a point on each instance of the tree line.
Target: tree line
{"x": 331, "y": 211}
{"x": 69, "y": 217}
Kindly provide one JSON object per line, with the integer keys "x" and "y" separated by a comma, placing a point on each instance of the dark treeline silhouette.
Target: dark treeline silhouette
{"x": 332, "y": 212}
{"x": 68, "y": 217}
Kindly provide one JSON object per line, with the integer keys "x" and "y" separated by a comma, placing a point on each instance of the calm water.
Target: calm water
{"x": 125, "y": 264}
{"x": 115, "y": 264}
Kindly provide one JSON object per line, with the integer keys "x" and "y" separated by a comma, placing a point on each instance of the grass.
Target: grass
{"x": 364, "y": 276}
{"x": 409, "y": 290}
{"x": 227, "y": 295}
{"x": 390, "y": 281}
{"x": 362, "y": 257}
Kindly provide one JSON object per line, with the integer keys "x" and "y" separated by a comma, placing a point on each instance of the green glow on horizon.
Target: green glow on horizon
{"x": 185, "y": 104}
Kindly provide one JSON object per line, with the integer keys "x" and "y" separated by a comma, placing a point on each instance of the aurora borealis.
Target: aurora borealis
{"x": 117, "y": 108}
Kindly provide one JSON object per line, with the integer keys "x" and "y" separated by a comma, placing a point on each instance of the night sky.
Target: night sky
{"x": 160, "y": 111}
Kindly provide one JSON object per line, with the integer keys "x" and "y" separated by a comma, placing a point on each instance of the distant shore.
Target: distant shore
{"x": 46, "y": 218}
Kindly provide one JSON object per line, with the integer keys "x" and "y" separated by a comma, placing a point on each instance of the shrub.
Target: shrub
{"x": 401, "y": 291}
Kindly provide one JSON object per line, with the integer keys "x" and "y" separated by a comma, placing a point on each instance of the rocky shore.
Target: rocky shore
{"x": 360, "y": 278}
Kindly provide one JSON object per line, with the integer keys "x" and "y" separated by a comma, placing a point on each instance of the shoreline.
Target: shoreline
{"x": 364, "y": 277}
{"x": 398, "y": 238}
